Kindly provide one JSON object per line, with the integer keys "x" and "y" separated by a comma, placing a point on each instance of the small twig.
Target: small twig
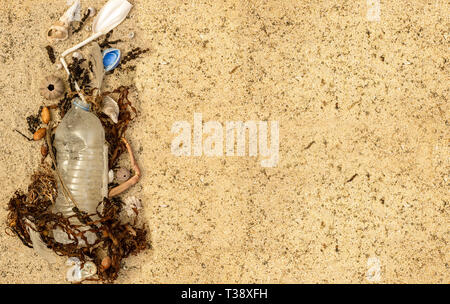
{"x": 352, "y": 178}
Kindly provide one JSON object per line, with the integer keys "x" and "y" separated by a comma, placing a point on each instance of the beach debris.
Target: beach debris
{"x": 73, "y": 274}
{"x": 111, "y": 15}
{"x": 131, "y": 35}
{"x": 59, "y": 31}
{"x": 38, "y": 245}
{"x": 132, "y": 206}
{"x": 96, "y": 66}
{"x": 44, "y": 150}
{"x": 45, "y": 115}
{"x": 92, "y": 11}
{"x": 123, "y": 174}
{"x": 52, "y": 87}
{"x": 58, "y": 66}
{"x": 111, "y": 108}
{"x": 110, "y": 176}
{"x": 39, "y": 134}
{"x": 77, "y": 55}
{"x": 51, "y": 54}
{"x": 111, "y": 59}
{"x": 78, "y": 272}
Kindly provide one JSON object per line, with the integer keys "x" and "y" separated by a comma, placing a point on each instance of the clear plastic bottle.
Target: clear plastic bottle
{"x": 82, "y": 161}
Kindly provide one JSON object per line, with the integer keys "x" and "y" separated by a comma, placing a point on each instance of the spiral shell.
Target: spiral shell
{"x": 52, "y": 87}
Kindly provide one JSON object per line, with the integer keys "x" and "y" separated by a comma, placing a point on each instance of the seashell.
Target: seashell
{"x": 73, "y": 13}
{"x": 73, "y": 261}
{"x": 52, "y": 87}
{"x": 58, "y": 66}
{"x": 89, "y": 269}
{"x": 132, "y": 205}
{"x": 39, "y": 134}
{"x": 131, "y": 35}
{"x": 44, "y": 150}
{"x": 77, "y": 55}
{"x": 92, "y": 11}
{"x": 111, "y": 59}
{"x": 45, "y": 115}
{"x": 123, "y": 174}
{"x": 98, "y": 71}
{"x": 73, "y": 274}
{"x": 111, "y": 108}
{"x": 77, "y": 274}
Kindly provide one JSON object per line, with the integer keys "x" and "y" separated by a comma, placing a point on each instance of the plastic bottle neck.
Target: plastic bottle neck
{"x": 81, "y": 104}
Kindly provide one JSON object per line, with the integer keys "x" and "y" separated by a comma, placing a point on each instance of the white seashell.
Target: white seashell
{"x": 73, "y": 274}
{"x": 77, "y": 55}
{"x": 111, "y": 108}
{"x": 58, "y": 66}
{"x": 110, "y": 176}
{"x": 73, "y": 261}
{"x": 131, "y": 204}
{"x": 92, "y": 11}
{"x": 77, "y": 274}
{"x": 131, "y": 35}
{"x": 123, "y": 174}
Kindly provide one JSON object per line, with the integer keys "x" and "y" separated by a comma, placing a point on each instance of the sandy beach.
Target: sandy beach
{"x": 362, "y": 178}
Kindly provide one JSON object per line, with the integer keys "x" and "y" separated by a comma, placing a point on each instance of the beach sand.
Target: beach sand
{"x": 353, "y": 98}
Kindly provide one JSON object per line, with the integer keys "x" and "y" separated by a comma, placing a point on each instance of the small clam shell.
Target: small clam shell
{"x": 111, "y": 59}
{"x": 45, "y": 115}
{"x": 123, "y": 174}
{"x": 59, "y": 31}
{"x": 89, "y": 269}
{"x": 52, "y": 87}
{"x": 111, "y": 108}
{"x": 73, "y": 274}
{"x": 106, "y": 262}
{"x": 77, "y": 55}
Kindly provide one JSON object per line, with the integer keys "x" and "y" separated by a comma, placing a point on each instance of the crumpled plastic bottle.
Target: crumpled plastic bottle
{"x": 82, "y": 161}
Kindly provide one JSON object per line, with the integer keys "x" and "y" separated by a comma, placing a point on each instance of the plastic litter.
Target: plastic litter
{"x": 111, "y": 59}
